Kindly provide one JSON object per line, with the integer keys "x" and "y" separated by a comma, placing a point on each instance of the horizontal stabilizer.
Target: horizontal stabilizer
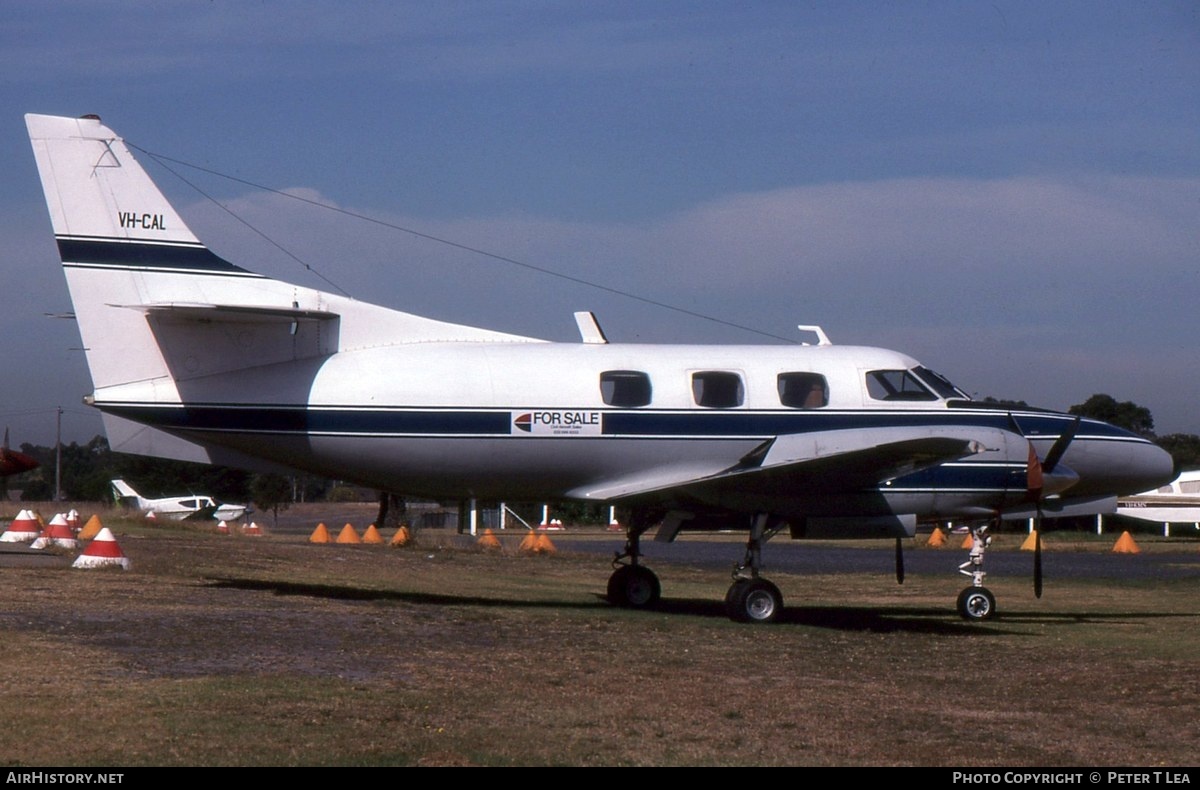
{"x": 241, "y": 313}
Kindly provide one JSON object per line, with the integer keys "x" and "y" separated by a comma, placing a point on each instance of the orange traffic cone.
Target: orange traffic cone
{"x": 542, "y": 544}
{"x": 91, "y": 529}
{"x": 1125, "y": 544}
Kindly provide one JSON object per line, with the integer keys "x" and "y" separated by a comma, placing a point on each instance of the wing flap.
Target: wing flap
{"x": 834, "y": 461}
{"x": 659, "y": 478}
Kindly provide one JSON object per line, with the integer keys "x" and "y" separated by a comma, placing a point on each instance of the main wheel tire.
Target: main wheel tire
{"x": 634, "y": 586}
{"x": 977, "y": 604}
{"x": 753, "y": 601}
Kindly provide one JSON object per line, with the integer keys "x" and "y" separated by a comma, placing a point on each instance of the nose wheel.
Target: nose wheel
{"x": 976, "y": 602}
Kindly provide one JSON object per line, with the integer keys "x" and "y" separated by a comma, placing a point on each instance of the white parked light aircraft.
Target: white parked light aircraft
{"x": 819, "y": 440}
{"x": 194, "y": 506}
{"x": 1176, "y": 501}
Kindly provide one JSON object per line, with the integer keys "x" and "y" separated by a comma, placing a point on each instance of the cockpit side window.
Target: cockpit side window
{"x": 625, "y": 388}
{"x": 717, "y": 389}
{"x": 897, "y": 385}
{"x": 803, "y": 390}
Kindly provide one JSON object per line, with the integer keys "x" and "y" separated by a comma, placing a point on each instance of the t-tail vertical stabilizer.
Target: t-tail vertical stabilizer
{"x": 163, "y": 319}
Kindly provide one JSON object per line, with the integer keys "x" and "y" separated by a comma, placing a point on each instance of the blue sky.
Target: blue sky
{"x": 1008, "y": 191}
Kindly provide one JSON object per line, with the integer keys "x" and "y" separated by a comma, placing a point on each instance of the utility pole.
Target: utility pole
{"x": 58, "y": 458}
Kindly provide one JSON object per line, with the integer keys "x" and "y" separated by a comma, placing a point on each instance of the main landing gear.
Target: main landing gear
{"x": 750, "y": 599}
{"x": 633, "y": 585}
{"x": 753, "y": 599}
{"x": 976, "y": 602}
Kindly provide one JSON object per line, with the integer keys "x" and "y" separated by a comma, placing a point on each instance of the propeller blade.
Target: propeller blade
{"x": 1037, "y": 557}
{"x": 899, "y": 562}
{"x": 1035, "y": 480}
{"x": 1060, "y": 445}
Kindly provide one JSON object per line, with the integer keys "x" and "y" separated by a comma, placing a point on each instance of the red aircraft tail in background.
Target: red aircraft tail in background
{"x": 12, "y": 462}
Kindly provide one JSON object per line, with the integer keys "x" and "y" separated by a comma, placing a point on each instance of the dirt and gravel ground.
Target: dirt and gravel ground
{"x": 234, "y": 650}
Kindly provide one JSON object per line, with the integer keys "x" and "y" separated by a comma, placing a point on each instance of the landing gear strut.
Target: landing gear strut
{"x": 752, "y": 599}
{"x": 976, "y": 602}
{"x": 633, "y": 585}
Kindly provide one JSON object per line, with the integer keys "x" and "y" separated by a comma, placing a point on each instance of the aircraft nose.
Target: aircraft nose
{"x": 1159, "y": 468}
{"x": 1116, "y": 463}
{"x": 1145, "y": 467}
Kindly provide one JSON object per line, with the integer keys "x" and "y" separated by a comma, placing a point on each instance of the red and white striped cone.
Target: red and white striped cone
{"x": 102, "y": 552}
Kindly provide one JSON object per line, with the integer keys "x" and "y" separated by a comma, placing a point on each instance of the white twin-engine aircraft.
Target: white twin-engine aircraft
{"x": 193, "y": 357}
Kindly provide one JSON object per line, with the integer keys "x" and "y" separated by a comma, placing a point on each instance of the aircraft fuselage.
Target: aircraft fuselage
{"x": 530, "y": 421}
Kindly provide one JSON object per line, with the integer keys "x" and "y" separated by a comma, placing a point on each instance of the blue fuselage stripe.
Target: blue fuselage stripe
{"x": 615, "y": 424}
{"x": 137, "y": 255}
{"x": 433, "y": 423}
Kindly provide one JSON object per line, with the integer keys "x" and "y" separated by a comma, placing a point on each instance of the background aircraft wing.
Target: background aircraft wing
{"x": 825, "y": 461}
{"x": 202, "y": 514}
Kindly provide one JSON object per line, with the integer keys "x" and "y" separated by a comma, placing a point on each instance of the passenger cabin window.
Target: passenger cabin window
{"x": 717, "y": 389}
{"x": 625, "y": 388}
{"x": 896, "y": 385}
{"x": 803, "y": 390}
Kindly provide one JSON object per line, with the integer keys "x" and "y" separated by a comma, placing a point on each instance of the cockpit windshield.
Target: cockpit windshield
{"x": 941, "y": 385}
{"x": 918, "y": 384}
{"x": 895, "y": 385}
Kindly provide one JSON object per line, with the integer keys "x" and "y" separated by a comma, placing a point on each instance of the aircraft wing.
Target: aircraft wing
{"x": 826, "y": 461}
{"x": 203, "y": 514}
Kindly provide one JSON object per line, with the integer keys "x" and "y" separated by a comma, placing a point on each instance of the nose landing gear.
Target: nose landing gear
{"x": 976, "y": 602}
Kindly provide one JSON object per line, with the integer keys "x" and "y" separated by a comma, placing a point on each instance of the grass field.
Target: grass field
{"x": 244, "y": 651}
